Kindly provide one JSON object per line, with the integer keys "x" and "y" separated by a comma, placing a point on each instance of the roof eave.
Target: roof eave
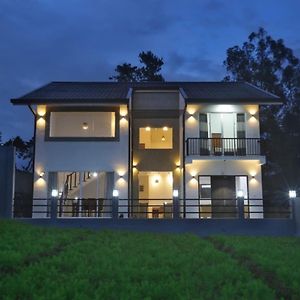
{"x": 267, "y": 101}
{"x": 28, "y": 101}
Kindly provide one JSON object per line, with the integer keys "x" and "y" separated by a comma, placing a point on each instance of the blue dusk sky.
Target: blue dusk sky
{"x": 82, "y": 40}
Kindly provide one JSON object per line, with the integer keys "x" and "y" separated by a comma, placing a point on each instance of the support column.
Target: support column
{"x": 7, "y": 180}
{"x": 296, "y": 214}
{"x": 53, "y": 214}
{"x": 240, "y": 202}
{"x": 115, "y": 205}
{"x": 176, "y": 206}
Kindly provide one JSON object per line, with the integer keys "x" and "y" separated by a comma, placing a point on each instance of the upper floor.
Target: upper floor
{"x": 139, "y": 120}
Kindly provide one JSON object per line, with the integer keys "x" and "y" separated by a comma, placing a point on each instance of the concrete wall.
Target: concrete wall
{"x": 155, "y": 109}
{"x": 197, "y": 165}
{"x": 70, "y": 156}
{"x": 7, "y": 180}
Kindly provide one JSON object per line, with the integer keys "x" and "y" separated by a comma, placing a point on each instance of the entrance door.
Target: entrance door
{"x": 223, "y": 197}
{"x": 155, "y": 195}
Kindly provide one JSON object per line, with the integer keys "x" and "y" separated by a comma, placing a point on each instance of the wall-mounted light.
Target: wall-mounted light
{"x": 40, "y": 122}
{"x": 85, "y": 126}
{"x": 95, "y": 174}
{"x": 165, "y": 203}
{"x": 123, "y": 111}
{"x": 163, "y": 139}
{"x": 165, "y": 128}
{"x": 60, "y": 194}
{"x": 148, "y": 128}
{"x": 42, "y": 174}
{"x": 175, "y": 193}
{"x": 54, "y": 193}
{"x": 156, "y": 180}
{"x": 292, "y": 194}
{"x": 115, "y": 193}
{"x": 41, "y": 110}
{"x": 253, "y": 176}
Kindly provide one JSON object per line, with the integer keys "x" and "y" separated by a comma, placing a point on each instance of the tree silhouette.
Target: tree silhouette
{"x": 148, "y": 71}
{"x": 268, "y": 64}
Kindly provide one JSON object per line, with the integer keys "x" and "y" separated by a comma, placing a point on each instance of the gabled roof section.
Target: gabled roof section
{"x": 77, "y": 92}
{"x": 227, "y": 93}
{"x": 120, "y": 92}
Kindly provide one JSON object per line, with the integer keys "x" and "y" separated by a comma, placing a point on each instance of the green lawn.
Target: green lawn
{"x": 38, "y": 263}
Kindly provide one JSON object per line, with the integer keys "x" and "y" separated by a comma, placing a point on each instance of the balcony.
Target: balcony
{"x": 223, "y": 146}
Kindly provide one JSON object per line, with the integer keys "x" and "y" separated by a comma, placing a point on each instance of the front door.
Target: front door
{"x": 223, "y": 197}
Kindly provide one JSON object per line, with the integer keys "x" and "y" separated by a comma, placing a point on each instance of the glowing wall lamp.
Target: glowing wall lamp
{"x": 42, "y": 174}
{"x": 175, "y": 193}
{"x": 292, "y": 194}
{"x": 41, "y": 110}
{"x": 115, "y": 193}
{"x": 54, "y": 193}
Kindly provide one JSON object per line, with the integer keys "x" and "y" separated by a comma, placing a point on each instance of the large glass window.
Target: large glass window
{"x": 82, "y": 124}
{"x": 156, "y": 138}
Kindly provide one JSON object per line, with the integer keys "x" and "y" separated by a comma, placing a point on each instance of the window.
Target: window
{"x": 156, "y": 138}
{"x": 81, "y": 124}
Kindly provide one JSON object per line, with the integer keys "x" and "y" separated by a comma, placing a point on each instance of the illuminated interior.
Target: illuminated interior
{"x": 155, "y": 194}
{"x": 82, "y": 124}
{"x": 156, "y": 138}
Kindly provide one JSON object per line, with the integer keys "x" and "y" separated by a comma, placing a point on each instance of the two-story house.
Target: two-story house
{"x": 147, "y": 143}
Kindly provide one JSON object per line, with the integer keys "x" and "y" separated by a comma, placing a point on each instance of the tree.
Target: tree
{"x": 24, "y": 150}
{"x": 148, "y": 71}
{"x": 270, "y": 65}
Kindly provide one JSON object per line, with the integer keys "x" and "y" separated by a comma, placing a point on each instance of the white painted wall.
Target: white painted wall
{"x": 221, "y": 167}
{"x": 102, "y": 156}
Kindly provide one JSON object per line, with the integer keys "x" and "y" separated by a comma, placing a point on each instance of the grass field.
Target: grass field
{"x": 39, "y": 263}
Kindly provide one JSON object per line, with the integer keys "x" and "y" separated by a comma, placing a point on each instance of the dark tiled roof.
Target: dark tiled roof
{"x": 116, "y": 92}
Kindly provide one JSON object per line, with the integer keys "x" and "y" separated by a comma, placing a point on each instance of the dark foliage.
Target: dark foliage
{"x": 148, "y": 71}
{"x": 270, "y": 65}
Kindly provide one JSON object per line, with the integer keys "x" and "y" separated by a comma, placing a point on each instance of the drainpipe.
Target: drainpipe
{"x": 34, "y": 142}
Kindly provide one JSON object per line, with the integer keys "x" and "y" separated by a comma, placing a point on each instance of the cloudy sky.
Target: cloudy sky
{"x": 52, "y": 40}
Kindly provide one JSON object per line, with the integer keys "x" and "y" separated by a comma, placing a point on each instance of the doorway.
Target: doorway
{"x": 218, "y": 194}
{"x": 155, "y": 195}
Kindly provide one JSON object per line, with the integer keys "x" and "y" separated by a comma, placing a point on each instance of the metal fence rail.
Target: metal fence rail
{"x": 189, "y": 208}
{"x": 66, "y": 208}
{"x": 146, "y": 208}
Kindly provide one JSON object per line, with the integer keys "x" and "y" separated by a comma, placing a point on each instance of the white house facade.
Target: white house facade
{"x": 147, "y": 143}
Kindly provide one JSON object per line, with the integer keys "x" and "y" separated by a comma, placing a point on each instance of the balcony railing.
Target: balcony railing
{"x": 223, "y": 146}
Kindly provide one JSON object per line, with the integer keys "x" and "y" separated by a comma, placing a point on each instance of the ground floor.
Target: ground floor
{"x": 201, "y": 189}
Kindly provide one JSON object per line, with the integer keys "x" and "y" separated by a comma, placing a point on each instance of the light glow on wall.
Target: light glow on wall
{"x": 224, "y": 108}
{"x": 41, "y": 182}
{"x": 191, "y": 109}
{"x": 41, "y": 110}
{"x": 123, "y": 111}
{"x": 40, "y": 123}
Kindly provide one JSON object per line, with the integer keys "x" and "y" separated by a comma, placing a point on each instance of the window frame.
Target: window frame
{"x": 115, "y": 138}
